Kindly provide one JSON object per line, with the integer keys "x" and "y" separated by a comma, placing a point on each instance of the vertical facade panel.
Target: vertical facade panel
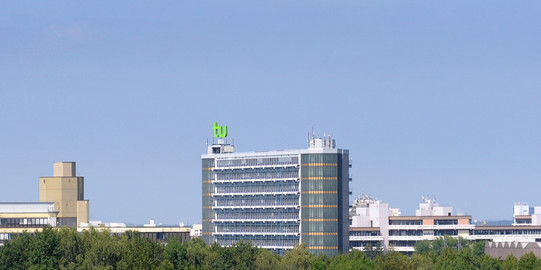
{"x": 208, "y": 190}
{"x": 321, "y": 189}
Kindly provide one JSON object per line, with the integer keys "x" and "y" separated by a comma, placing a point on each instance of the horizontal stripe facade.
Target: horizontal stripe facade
{"x": 320, "y": 178}
{"x": 316, "y": 247}
{"x": 320, "y": 192}
{"x": 320, "y": 233}
{"x": 320, "y": 220}
{"x": 319, "y": 164}
{"x": 320, "y": 206}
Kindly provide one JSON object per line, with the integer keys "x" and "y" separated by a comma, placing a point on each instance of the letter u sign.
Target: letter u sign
{"x": 220, "y": 131}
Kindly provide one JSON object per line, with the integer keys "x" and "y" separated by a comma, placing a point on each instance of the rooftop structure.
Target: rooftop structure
{"x": 66, "y": 190}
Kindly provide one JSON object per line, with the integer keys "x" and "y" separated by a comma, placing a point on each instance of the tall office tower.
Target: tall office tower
{"x": 277, "y": 199}
{"x": 66, "y": 190}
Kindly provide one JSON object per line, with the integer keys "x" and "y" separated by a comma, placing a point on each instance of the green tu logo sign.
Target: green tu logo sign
{"x": 219, "y": 131}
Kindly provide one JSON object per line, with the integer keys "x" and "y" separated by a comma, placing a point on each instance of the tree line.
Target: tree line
{"x": 92, "y": 249}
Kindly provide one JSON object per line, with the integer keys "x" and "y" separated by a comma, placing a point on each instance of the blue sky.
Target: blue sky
{"x": 431, "y": 98}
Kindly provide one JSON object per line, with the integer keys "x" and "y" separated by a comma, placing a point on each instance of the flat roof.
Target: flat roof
{"x": 275, "y": 153}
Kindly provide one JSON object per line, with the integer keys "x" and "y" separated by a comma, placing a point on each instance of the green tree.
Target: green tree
{"x": 353, "y": 260}
{"x": 529, "y": 261}
{"x": 478, "y": 248}
{"x": 245, "y": 255}
{"x": 72, "y": 248}
{"x": 197, "y": 252}
{"x": 45, "y": 250}
{"x": 422, "y": 261}
{"x": 372, "y": 252}
{"x": 422, "y": 247}
{"x": 452, "y": 259}
{"x": 393, "y": 261}
{"x": 298, "y": 258}
{"x": 15, "y": 253}
{"x": 510, "y": 263}
{"x": 266, "y": 260}
{"x": 139, "y": 252}
{"x": 321, "y": 262}
{"x": 487, "y": 263}
{"x": 175, "y": 255}
{"x": 101, "y": 250}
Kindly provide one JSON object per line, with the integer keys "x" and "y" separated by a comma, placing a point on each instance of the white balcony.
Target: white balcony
{"x": 296, "y": 206}
{"x": 255, "y": 220}
{"x": 366, "y": 238}
{"x": 291, "y": 165}
{"x": 256, "y": 233}
{"x": 255, "y": 193}
{"x": 432, "y": 227}
{"x": 257, "y": 180}
{"x": 403, "y": 249}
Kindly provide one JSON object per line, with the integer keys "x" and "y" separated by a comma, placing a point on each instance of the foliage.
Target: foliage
{"x": 393, "y": 261}
{"x": 92, "y": 249}
{"x": 373, "y": 252}
{"x": 297, "y": 258}
{"x": 353, "y": 260}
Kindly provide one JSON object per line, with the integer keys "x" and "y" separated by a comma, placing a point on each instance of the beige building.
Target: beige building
{"x": 18, "y": 217}
{"x": 66, "y": 190}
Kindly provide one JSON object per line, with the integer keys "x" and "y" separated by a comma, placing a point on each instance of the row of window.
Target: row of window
{"x": 259, "y": 240}
{"x": 257, "y": 228}
{"x": 365, "y": 233}
{"x": 406, "y": 232}
{"x": 258, "y": 216}
{"x": 292, "y": 200}
{"x": 23, "y": 222}
{"x": 505, "y": 232}
{"x": 262, "y": 161}
{"x": 258, "y": 173}
{"x": 256, "y": 187}
{"x": 420, "y": 222}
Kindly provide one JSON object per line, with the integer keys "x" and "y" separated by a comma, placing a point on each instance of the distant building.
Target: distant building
{"x": 150, "y": 231}
{"x": 66, "y": 190}
{"x": 61, "y": 204}
{"x": 17, "y": 217}
{"x": 277, "y": 199}
{"x": 196, "y": 231}
{"x": 500, "y": 250}
{"x": 373, "y": 222}
{"x": 376, "y": 223}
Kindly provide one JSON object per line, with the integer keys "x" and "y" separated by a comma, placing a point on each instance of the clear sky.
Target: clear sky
{"x": 431, "y": 97}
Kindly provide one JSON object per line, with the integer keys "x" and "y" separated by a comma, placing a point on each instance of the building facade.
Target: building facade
{"x": 375, "y": 223}
{"x": 66, "y": 190}
{"x": 18, "y": 217}
{"x": 150, "y": 231}
{"x": 277, "y": 199}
